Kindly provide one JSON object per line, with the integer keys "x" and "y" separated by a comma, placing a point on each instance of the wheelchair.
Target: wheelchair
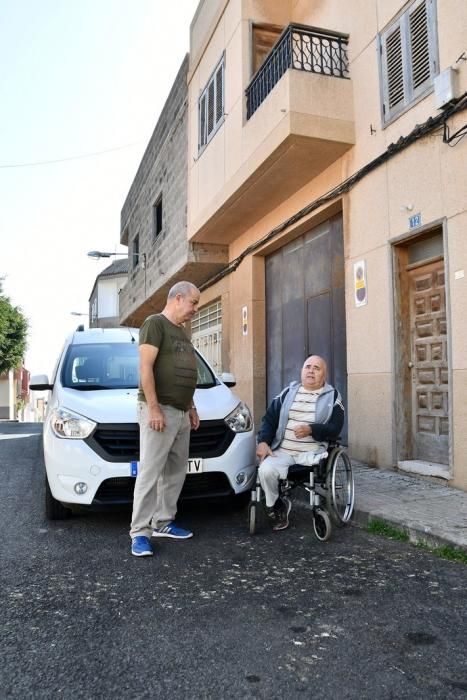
{"x": 330, "y": 486}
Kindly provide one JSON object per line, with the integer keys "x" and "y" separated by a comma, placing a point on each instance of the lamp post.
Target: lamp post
{"x": 102, "y": 254}
{"x": 96, "y": 254}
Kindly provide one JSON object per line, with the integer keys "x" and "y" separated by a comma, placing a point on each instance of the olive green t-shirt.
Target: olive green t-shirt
{"x": 175, "y": 368}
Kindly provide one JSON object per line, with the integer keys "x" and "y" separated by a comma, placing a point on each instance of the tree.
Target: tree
{"x": 13, "y": 334}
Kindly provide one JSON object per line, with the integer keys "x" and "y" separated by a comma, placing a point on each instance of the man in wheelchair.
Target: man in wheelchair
{"x": 297, "y": 426}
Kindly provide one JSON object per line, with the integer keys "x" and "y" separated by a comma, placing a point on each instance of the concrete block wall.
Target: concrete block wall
{"x": 162, "y": 172}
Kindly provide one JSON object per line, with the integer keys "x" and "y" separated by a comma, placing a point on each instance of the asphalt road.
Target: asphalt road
{"x": 224, "y": 615}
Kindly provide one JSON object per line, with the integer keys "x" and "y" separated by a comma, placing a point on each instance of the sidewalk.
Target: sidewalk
{"x": 429, "y": 512}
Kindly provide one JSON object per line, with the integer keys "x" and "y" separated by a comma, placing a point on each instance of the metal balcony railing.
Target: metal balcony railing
{"x": 302, "y": 48}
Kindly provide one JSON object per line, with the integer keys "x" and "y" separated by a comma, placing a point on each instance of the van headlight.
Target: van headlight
{"x": 240, "y": 420}
{"x": 67, "y": 424}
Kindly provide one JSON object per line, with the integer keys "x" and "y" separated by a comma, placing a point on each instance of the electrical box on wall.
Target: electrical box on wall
{"x": 445, "y": 87}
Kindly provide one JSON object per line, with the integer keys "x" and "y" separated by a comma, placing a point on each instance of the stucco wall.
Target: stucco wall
{"x": 426, "y": 178}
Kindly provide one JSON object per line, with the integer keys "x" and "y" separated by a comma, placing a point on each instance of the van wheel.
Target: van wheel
{"x": 54, "y": 510}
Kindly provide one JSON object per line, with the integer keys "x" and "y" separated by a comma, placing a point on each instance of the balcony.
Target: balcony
{"x": 298, "y": 121}
{"x": 301, "y": 48}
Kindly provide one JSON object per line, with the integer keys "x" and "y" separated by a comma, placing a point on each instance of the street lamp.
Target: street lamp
{"x": 104, "y": 254}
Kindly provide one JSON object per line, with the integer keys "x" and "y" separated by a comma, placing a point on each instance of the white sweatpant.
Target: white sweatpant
{"x": 272, "y": 469}
{"x": 277, "y": 466}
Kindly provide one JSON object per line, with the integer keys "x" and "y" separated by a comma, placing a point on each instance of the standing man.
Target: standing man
{"x": 166, "y": 413}
{"x": 295, "y": 430}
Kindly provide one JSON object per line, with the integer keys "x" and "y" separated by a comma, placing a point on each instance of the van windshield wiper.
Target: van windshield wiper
{"x": 91, "y": 387}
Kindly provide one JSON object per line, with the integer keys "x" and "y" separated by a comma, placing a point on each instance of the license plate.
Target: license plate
{"x": 195, "y": 466}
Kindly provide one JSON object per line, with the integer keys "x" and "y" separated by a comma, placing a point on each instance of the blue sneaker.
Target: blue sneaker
{"x": 141, "y": 547}
{"x": 173, "y": 531}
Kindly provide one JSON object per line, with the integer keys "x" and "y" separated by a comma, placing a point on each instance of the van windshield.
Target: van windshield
{"x": 113, "y": 366}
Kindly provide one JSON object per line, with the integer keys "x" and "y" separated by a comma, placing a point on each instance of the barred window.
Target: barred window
{"x": 206, "y": 334}
{"x": 408, "y": 57}
{"x": 211, "y": 106}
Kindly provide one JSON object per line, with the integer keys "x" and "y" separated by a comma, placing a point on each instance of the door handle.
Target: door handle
{"x": 410, "y": 365}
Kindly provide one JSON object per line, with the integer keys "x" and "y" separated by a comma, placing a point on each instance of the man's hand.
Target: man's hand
{"x": 263, "y": 450}
{"x": 157, "y": 419}
{"x": 194, "y": 418}
{"x": 302, "y": 430}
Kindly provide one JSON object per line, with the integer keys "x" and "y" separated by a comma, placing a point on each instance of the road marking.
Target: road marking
{"x": 21, "y": 435}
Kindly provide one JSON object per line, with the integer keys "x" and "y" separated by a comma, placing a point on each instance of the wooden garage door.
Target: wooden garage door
{"x": 305, "y": 308}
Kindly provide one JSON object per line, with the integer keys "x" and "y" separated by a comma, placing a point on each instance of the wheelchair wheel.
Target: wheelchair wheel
{"x": 321, "y": 524}
{"x": 252, "y": 517}
{"x": 339, "y": 486}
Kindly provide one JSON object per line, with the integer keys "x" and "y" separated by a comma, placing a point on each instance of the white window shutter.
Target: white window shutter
{"x": 211, "y": 105}
{"x": 409, "y": 54}
{"x": 420, "y": 68}
{"x": 219, "y": 77}
{"x": 395, "y": 68}
{"x": 210, "y": 115}
{"x": 392, "y": 63}
{"x": 202, "y": 120}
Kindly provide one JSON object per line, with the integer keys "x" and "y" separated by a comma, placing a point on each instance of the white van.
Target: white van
{"x": 91, "y": 437}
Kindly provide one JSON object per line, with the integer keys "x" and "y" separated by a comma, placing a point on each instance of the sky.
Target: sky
{"x": 82, "y": 82}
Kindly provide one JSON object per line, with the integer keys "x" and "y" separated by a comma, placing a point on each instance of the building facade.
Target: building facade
{"x": 104, "y": 302}
{"x": 308, "y": 173}
{"x": 325, "y": 153}
{"x": 14, "y": 393}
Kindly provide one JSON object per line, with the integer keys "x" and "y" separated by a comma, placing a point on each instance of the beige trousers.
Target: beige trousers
{"x": 161, "y": 470}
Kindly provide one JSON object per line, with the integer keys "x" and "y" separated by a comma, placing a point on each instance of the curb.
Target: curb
{"x": 417, "y": 535}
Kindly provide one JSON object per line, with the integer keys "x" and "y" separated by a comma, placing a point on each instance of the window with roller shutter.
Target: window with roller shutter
{"x": 211, "y": 106}
{"x": 408, "y": 51}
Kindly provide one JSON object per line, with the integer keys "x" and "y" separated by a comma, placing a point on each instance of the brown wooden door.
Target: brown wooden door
{"x": 430, "y": 421}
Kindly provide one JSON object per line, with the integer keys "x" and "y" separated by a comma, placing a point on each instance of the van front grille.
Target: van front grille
{"x": 119, "y": 442}
{"x": 211, "y": 439}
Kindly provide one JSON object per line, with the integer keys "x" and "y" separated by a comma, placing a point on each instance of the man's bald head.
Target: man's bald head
{"x": 314, "y": 373}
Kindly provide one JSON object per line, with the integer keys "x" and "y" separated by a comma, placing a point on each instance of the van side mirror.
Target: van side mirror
{"x": 40, "y": 382}
{"x": 228, "y": 379}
